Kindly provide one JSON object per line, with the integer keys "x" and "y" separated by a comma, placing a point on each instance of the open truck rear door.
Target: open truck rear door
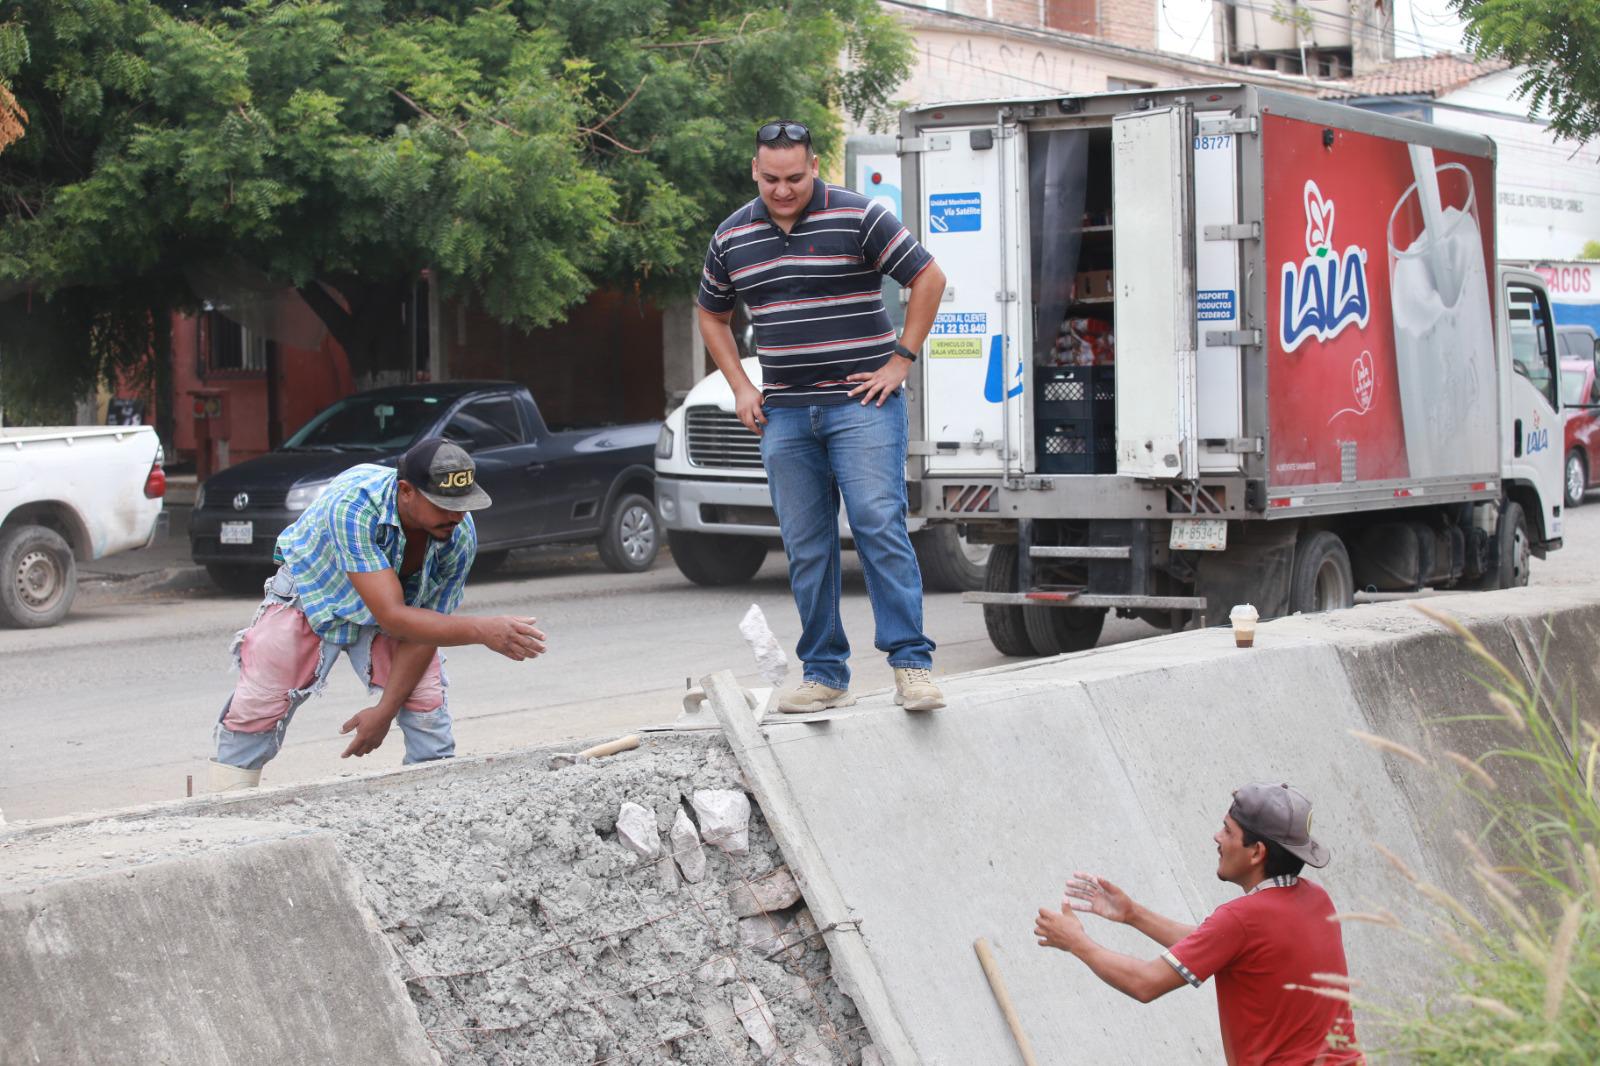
{"x": 973, "y": 374}
{"x": 1153, "y": 208}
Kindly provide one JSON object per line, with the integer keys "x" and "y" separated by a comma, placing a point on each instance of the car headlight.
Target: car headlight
{"x": 302, "y": 496}
{"x": 664, "y": 443}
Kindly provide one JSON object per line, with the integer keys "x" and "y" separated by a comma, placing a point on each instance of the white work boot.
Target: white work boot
{"x": 915, "y": 691}
{"x": 813, "y": 696}
{"x": 225, "y": 778}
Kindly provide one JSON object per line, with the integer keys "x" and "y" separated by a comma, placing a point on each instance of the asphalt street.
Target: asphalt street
{"x": 116, "y": 705}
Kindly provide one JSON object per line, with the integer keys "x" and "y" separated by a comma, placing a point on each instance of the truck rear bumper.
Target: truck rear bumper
{"x": 737, "y": 508}
{"x": 1084, "y": 599}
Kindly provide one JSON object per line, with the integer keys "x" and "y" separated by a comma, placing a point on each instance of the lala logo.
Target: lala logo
{"x": 1326, "y": 291}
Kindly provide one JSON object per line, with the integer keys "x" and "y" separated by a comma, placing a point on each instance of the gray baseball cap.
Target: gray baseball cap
{"x": 1281, "y": 814}
{"x": 445, "y": 475}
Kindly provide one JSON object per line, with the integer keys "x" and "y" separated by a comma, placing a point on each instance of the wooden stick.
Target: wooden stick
{"x": 600, "y": 751}
{"x": 997, "y": 985}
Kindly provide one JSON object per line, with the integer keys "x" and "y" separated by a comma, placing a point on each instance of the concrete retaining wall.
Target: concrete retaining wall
{"x": 197, "y": 942}
{"x": 924, "y": 832}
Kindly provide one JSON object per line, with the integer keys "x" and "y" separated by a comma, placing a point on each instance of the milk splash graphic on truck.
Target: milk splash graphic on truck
{"x": 1324, "y": 292}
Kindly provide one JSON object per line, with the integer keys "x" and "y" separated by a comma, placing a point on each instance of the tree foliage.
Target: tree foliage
{"x": 522, "y": 151}
{"x": 1556, "y": 43}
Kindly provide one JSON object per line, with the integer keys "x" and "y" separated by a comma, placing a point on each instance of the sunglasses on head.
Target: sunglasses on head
{"x": 791, "y": 130}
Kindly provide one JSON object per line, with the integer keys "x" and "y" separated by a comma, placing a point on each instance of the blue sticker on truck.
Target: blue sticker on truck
{"x": 955, "y": 212}
{"x": 1216, "y": 305}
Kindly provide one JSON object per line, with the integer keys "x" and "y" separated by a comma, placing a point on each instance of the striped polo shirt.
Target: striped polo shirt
{"x": 815, "y": 294}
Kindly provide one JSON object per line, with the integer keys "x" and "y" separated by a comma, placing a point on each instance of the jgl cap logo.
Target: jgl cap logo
{"x": 456, "y": 479}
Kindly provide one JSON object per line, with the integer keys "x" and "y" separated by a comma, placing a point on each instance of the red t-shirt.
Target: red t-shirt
{"x": 1279, "y": 934}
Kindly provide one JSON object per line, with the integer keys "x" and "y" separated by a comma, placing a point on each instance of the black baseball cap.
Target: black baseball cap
{"x": 1281, "y": 814}
{"x": 445, "y": 475}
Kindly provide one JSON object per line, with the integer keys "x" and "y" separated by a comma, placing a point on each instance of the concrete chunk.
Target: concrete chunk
{"x": 763, "y": 932}
{"x": 638, "y": 832}
{"x": 772, "y": 892}
{"x": 751, "y": 1006}
{"x": 231, "y": 942}
{"x": 686, "y": 848}
{"x": 724, "y": 815}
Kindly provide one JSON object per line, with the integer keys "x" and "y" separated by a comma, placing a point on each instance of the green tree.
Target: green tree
{"x": 523, "y": 152}
{"x": 1556, "y": 43}
{"x": 1591, "y": 250}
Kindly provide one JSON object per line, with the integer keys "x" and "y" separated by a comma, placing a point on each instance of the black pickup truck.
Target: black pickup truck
{"x": 549, "y": 485}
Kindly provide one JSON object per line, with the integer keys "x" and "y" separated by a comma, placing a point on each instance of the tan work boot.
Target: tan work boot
{"x": 225, "y": 778}
{"x": 915, "y": 691}
{"x": 813, "y": 696}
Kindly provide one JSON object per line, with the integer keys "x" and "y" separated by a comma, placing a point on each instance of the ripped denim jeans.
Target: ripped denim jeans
{"x": 282, "y": 663}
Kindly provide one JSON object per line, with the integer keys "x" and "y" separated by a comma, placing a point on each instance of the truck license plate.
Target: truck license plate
{"x": 244, "y": 532}
{"x": 1199, "y": 534}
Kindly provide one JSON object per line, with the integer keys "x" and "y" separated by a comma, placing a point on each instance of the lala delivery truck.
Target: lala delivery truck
{"x": 1210, "y": 346}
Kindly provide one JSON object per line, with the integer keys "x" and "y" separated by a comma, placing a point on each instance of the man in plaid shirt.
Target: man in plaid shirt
{"x": 374, "y": 568}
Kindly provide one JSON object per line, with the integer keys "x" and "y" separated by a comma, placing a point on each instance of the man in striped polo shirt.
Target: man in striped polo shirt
{"x": 807, "y": 258}
{"x": 374, "y": 568}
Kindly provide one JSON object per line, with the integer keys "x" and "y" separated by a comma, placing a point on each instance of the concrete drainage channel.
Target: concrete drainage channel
{"x": 526, "y": 925}
{"x": 494, "y": 910}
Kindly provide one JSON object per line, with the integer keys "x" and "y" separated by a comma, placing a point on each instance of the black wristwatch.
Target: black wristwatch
{"x": 900, "y": 349}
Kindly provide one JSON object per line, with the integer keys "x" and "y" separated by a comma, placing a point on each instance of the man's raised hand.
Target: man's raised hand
{"x": 515, "y": 638}
{"x": 1096, "y": 895}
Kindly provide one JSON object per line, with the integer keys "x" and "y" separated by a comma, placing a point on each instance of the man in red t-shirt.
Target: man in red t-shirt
{"x": 1265, "y": 948}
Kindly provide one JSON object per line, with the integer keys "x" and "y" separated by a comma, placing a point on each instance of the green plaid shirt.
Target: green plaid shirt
{"x": 354, "y": 528}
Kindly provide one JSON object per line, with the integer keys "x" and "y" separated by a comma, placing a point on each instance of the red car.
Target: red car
{"x": 1579, "y": 388}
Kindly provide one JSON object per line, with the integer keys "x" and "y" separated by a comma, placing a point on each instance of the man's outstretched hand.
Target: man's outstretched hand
{"x": 1096, "y": 895}
{"x": 1059, "y": 929}
{"x": 515, "y": 638}
{"x": 371, "y": 726}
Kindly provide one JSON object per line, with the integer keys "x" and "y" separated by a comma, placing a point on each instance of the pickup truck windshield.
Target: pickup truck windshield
{"x": 367, "y": 423}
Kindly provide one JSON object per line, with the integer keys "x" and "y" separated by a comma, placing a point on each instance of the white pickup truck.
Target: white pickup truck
{"x": 711, "y": 492}
{"x": 70, "y": 492}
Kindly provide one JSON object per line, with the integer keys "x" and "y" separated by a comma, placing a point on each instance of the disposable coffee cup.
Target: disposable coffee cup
{"x": 1244, "y": 618}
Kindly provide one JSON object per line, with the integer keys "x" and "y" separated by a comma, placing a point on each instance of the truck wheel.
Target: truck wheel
{"x": 716, "y": 558}
{"x": 1322, "y": 579}
{"x": 1058, "y": 630}
{"x": 239, "y": 580}
{"x": 1513, "y": 547}
{"x": 1577, "y": 479}
{"x": 38, "y": 577}
{"x": 1007, "y": 626}
{"x": 632, "y": 538}
{"x": 948, "y": 563}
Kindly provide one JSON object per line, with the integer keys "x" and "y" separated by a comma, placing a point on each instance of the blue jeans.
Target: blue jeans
{"x": 814, "y": 455}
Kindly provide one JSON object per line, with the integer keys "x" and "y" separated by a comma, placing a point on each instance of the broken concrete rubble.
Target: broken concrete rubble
{"x": 774, "y": 892}
{"x": 724, "y": 817}
{"x": 636, "y": 828}
{"x": 686, "y": 849}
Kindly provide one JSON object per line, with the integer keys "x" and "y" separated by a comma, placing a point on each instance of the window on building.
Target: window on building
{"x": 230, "y": 348}
{"x": 1073, "y": 16}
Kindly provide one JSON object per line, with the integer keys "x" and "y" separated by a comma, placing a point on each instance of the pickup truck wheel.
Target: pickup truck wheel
{"x": 238, "y": 580}
{"x": 715, "y": 558}
{"x": 38, "y": 577}
{"x": 1577, "y": 479}
{"x": 948, "y": 563}
{"x": 1007, "y": 625}
{"x": 632, "y": 537}
{"x": 1322, "y": 578}
{"x": 1059, "y": 630}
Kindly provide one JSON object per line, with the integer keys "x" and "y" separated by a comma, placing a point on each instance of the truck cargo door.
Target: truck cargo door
{"x": 1154, "y": 249}
{"x": 973, "y": 373}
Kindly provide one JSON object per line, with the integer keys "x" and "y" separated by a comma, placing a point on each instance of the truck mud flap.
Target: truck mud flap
{"x": 1255, "y": 569}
